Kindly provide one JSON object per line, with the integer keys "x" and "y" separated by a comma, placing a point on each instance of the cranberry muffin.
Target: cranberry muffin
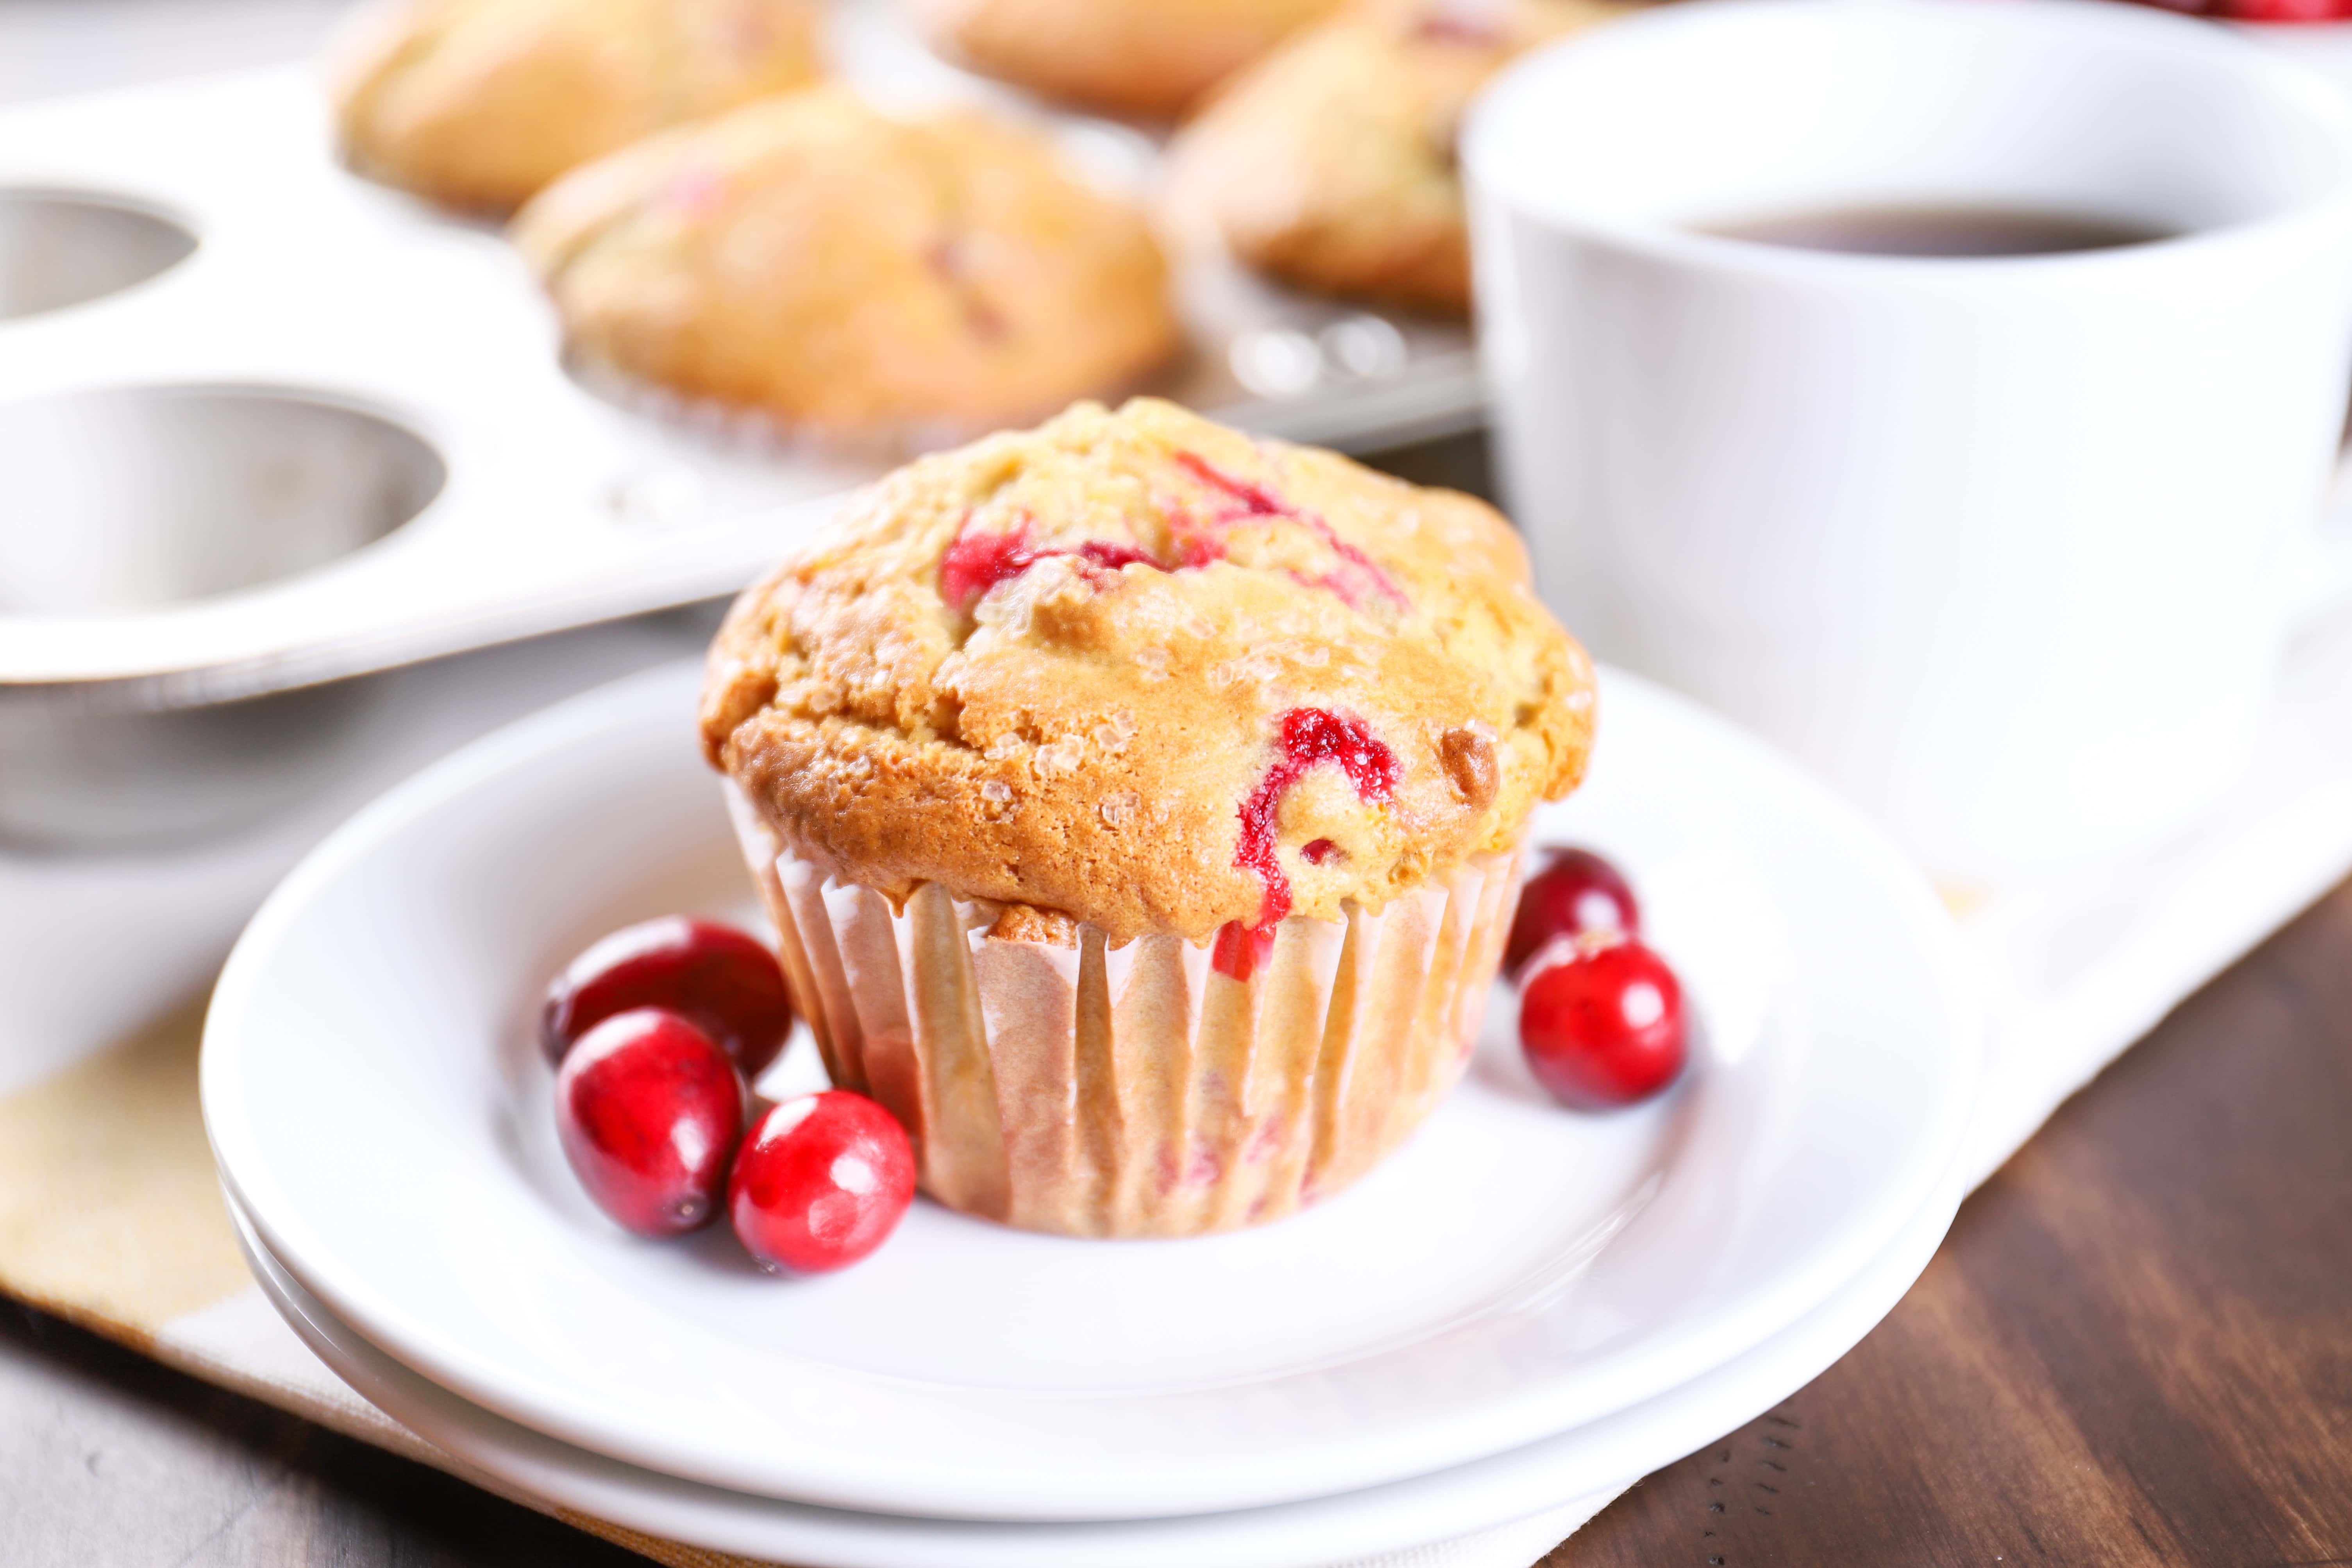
{"x": 479, "y": 103}
{"x": 1144, "y": 59}
{"x": 839, "y": 270}
{"x": 1330, "y": 164}
{"x": 1140, "y": 805}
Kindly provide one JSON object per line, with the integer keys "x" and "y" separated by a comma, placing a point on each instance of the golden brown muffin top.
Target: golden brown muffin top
{"x": 812, "y": 256}
{"x": 479, "y": 103}
{"x": 1136, "y": 669}
{"x": 1330, "y": 163}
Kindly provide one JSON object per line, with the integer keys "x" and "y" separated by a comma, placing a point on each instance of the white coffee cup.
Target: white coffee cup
{"x": 2006, "y": 548}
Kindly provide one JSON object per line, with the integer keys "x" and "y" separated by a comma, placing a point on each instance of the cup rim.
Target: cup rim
{"x": 1484, "y": 160}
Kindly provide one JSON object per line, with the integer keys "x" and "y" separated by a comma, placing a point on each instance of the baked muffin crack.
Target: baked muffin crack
{"x": 1054, "y": 667}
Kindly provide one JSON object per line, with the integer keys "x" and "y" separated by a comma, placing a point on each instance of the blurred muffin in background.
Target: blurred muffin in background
{"x": 848, "y": 273}
{"x": 480, "y": 103}
{"x": 1144, "y": 57}
{"x": 1330, "y": 163}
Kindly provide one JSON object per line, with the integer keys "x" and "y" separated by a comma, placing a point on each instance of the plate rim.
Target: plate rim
{"x": 1462, "y": 1436}
{"x": 1885, "y": 1280}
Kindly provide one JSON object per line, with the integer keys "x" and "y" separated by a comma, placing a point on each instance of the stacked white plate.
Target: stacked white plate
{"x": 1525, "y": 1307}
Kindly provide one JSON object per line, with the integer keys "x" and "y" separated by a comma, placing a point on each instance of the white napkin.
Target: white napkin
{"x": 2074, "y": 969}
{"x": 2077, "y": 968}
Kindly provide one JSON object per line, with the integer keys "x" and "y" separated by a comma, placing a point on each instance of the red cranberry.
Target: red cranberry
{"x": 975, "y": 563}
{"x": 822, "y": 1182}
{"x": 649, "y": 1112}
{"x": 2288, "y": 11}
{"x": 2279, "y": 10}
{"x": 1601, "y": 1023}
{"x": 724, "y": 981}
{"x": 1470, "y": 32}
{"x": 1355, "y": 577}
{"x": 1577, "y": 891}
{"x": 1310, "y": 738}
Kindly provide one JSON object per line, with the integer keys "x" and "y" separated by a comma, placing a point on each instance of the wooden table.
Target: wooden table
{"x": 2135, "y": 1347}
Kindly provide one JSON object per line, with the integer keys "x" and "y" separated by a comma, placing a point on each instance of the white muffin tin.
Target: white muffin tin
{"x": 264, "y": 424}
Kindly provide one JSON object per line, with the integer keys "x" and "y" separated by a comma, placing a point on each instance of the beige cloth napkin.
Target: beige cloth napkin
{"x": 111, "y": 1214}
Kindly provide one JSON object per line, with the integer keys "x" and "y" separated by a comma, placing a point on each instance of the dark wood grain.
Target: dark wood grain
{"x": 109, "y": 1460}
{"x": 2136, "y": 1346}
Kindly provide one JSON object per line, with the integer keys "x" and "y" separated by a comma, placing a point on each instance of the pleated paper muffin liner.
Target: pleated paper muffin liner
{"x": 752, "y": 432}
{"x": 1137, "y": 1090}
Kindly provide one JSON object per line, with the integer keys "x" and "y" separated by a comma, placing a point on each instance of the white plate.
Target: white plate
{"x": 1553, "y": 1485}
{"x": 376, "y": 1104}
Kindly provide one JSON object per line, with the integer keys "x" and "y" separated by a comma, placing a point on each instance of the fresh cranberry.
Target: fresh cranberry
{"x": 975, "y": 563}
{"x": 1310, "y": 737}
{"x": 725, "y": 983}
{"x": 1355, "y": 576}
{"x": 1240, "y": 951}
{"x": 1601, "y": 1023}
{"x": 1577, "y": 891}
{"x": 821, "y": 1181}
{"x": 2283, "y": 10}
{"x": 649, "y": 1111}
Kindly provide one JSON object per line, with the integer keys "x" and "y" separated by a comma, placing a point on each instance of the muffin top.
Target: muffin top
{"x": 1330, "y": 163}
{"x": 817, "y": 259}
{"x": 479, "y": 103}
{"x": 1146, "y": 57}
{"x": 1134, "y": 668}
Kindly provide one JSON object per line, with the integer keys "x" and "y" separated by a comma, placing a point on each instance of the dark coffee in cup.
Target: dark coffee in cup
{"x": 1952, "y": 231}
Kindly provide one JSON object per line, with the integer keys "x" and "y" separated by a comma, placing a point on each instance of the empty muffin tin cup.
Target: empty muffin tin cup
{"x": 65, "y": 248}
{"x": 82, "y": 778}
{"x": 147, "y": 497}
{"x": 142, "y": 499}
